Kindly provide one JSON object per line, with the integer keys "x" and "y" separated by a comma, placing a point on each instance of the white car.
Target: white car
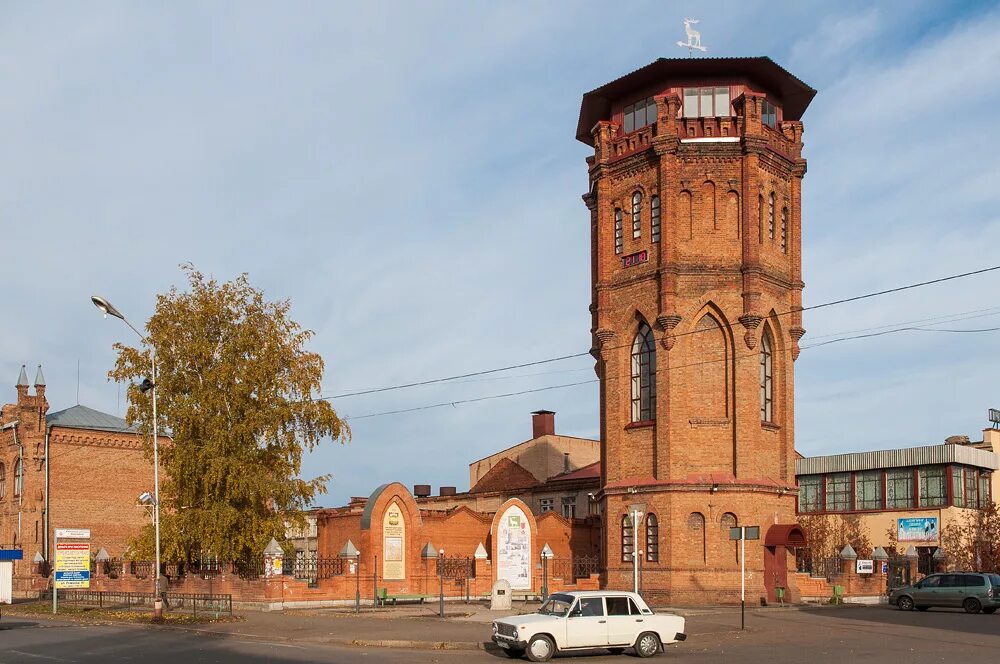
{"x": 585, "y": 621}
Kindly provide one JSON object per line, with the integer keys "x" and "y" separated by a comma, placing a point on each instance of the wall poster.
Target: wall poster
{"x": 393, "y": 544}
{"x": 919, "y": 529}
{"x": 514, "y": 549}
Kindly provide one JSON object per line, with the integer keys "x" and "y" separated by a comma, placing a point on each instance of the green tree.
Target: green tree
{"x": 236, "y": 393}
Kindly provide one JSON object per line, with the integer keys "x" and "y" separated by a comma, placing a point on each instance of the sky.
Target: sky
{"x": 407, "y": 175}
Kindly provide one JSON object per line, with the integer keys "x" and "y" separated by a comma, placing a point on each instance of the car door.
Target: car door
{"x": 621, "y": 623}
{"x": 925, "y": 591}
{"x": 587, "y": 624}
{"x": 952, "y": 590}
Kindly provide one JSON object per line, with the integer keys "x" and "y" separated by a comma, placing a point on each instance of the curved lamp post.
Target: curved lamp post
{"x": 148, "y": 384}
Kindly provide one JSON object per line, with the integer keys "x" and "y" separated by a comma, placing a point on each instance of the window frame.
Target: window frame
{"x": 811, "y": 502}
{"x": 896, "y": 478}
{"x": 972, "y": 498}
{"x": 766, "y": 377}
{"x": 863, "y": 479}
{"x": 630, "y": 114}
{"x": 546, "y": 505}
{"x": 769, "y": 114}
{"x": 939, "y": 476}
{"x": 643, "y": 374}
{"x": 628, "y": 538}
{"x": 3, "y": 480}
{"x": 715, "y": 94}
{"x": 784, "y": 230}
{"x": 570, "y": 502}
{"x": 956, "y": 479}
{"x": 770, "y": 216}
{"x": 838, "y": 489}
{"x": 652, "y": 538}
{"x": 619, "y": 237}
{"x": 654, "y": 218}
{"x": 636, "y": 215}
{"x": 18, "y": 478}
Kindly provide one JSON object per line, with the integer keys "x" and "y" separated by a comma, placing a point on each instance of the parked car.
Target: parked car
{"x": 973, "y": 592}
{"x": 585, "y": 621}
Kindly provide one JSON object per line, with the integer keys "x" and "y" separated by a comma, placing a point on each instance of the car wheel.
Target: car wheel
{"x": 972, "y": 605}
{"x": 541, "y": 648}
{"x": 905, "y": 603}
{"x": 992, "y": 609}
{"x": 616, "y": 651}
{"x": 647, "y": 645}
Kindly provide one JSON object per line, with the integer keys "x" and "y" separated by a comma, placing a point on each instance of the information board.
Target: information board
{"x": 394, "y": 544}
{"x": 919, "y": 529}
{"x": 72, "y": 565}
{"x": 514, "y": 549}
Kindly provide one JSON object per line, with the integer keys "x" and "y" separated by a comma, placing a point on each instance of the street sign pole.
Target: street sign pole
{"x": 55, "y": 591}
{"x": 743, "y": 576}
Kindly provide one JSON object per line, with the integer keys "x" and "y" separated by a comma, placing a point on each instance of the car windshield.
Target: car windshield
{"x": 556, "y": 605}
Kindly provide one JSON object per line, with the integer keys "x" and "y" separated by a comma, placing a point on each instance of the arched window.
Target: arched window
{"x": 760, "y": 217}
{"x": 618, "y": 231}
{"x": 18, "y": 478}
{"x": 3, "y": 481}
{"x": 636, "y": 215}
{"x": 654, "y": 218}
{"x": 728, "y": 521}
{"x": 643, "y": 375}
{"x": 766, "y": 378}
{"x": 696, "y": 526}
{"x": 628, "y": 538}
{"x": 770, "y": 216}
{"x": 784, "y": 230}
{"x": 652, "y": 539}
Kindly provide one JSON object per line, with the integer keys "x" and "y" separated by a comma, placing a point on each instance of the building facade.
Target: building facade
{"x": 694, "y": 196}
{"x": 74, "y": 468}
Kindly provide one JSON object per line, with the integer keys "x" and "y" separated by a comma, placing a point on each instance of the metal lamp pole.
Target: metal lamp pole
{"x": 441, "y": 569}
{"x": 108, "y": 309}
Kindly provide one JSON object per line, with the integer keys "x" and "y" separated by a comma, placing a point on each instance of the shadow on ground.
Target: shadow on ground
{"x": 954, "y": 620}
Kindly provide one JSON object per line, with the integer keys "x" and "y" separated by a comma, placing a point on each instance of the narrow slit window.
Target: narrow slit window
{"x": 654, "y": 218}
{"x": 784, "y": 230}
{"x": 766, "y": 378}
{"x": 770, "y": 216}
{"x": 643, "y": 375}
{"x": 636, "y": 215}
{"x": 619, "y": 240}
{"x": 652, "y": 539}
{"x": 628, "y": 538}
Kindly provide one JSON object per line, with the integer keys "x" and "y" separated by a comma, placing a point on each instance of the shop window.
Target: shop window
{"x": 933, "y": 489}
{"x": 899, "y": 488}
{"x": 838, "y": 492}
{"x": 811, "y": 493}
{"x": 868, "y": 490}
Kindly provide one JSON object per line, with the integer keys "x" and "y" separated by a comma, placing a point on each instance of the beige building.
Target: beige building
{"x": 914, "y": 493}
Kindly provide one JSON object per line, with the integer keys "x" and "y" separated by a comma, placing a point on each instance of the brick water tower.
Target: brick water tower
{"x": 695, "y": 215}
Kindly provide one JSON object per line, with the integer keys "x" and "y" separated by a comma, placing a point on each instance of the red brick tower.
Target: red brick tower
{"x": 695, "y": 192}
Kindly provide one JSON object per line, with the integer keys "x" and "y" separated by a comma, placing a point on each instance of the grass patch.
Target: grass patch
{"x": 95, "y": 614}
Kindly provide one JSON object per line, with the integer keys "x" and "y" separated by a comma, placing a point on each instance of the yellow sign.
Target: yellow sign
{"x": 72, "y": 565}
{"x": 393, "y": 544}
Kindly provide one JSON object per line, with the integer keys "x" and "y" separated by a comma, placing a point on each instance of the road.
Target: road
{"x": 857, "y": 635}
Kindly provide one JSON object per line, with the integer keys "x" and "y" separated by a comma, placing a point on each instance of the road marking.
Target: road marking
{"x": 30, "y": 654}
{"x": 277, "y": 645}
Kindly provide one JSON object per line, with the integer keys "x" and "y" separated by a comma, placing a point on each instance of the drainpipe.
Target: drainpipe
{"x": 45, "y": 514}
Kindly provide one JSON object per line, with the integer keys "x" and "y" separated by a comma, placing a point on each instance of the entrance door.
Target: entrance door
{"x": 775, "y": 570}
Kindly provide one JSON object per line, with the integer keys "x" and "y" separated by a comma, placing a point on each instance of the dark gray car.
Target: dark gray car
{"x": 973, "y": 592}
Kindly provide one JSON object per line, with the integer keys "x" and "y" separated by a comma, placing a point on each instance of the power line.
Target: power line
{"x": 670, "y": 368}
{"x": 561, "y": 358}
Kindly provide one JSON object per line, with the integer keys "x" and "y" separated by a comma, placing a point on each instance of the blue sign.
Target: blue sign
{"x": 919, "y": 529}
{"x": 73, "y": 577}
{"x": 11, "y": 554}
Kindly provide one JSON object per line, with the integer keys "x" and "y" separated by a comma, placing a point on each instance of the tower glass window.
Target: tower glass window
{"x": 707, "y": 102}
{"x": 766, "y": 378}
{"x": 638, "y": 115}
{"x": 654, "y": 218}
{"x": 652, "y": 539}
{"x": 619, "y": 240}
{"x": 628, "y": 538}
{"x": 636, "y": 215}
{"x": 643, "y": 375}
{"x": 769, "y": 114}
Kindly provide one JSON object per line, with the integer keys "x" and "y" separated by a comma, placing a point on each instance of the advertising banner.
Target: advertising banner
{"x": 919, "y": 529}
{"x": 393, "y": 544}
{"x": 72, "y": 565}
{"x": 514, "y": 549}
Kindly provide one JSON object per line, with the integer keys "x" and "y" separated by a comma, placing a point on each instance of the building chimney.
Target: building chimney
{"x": 421, "y": 490}
{"x": 543, "y": 423}
{"x": 447, "y": 491}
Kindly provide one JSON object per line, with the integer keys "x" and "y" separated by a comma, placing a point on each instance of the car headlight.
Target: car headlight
{"x": 515, "y": 633}
{"x": 494, "y": 628}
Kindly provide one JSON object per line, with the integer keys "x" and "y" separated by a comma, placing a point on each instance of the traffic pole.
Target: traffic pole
{"x": 743, "y": 576}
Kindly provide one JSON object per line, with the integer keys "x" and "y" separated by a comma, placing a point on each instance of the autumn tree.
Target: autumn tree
{"x": 237, "y": 394}
{"x": 973, "y": 541}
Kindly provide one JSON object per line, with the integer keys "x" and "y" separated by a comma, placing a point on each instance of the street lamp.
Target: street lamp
{"x": 546, "y": 556}
{"x": 147, "y": 385}
{"x": 351, "y": 552}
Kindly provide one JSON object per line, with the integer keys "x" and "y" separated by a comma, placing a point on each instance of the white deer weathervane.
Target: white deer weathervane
{"x": 694, "y": 37}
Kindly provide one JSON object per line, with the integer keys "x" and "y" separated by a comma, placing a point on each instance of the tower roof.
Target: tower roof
{"x": 22, "y": 380}
{"x": 39, "y": 377}
{"x": 81, "y": 417}
{"x": 795, "y": 95}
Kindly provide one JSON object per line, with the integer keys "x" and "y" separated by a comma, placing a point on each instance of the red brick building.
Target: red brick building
{"x": 695, "y": 201}
{"x": 75, "y": 468}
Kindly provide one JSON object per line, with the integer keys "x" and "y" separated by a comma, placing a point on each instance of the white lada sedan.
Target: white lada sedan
{"x": 585, "y": 621}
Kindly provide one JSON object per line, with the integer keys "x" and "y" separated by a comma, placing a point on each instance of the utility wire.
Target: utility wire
{"x": 670, "y": 368}
{"x": 561, "y": 358}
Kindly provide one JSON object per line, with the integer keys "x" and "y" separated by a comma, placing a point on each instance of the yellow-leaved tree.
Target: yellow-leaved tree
{"x": 237, "y": 394}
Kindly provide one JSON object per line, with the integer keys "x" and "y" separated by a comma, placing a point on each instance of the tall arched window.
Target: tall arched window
{"x": 643, "y": 375}
{"x": 628, "y": 538}
{"x": 619, "y": 239}
{"x": 728, "y": 521}
{"x": 770, "y": 216}
{"x": 654, "y": 218}
{"x": 3, "y": 481}
{"x": 637, "y": 215}
{"x": 760, "y": 217}
{"x": 766, "y": 377}
{"x": 784, "y": 230}
{"x": 18, "y": 478}
{"x": 652, "y": 539}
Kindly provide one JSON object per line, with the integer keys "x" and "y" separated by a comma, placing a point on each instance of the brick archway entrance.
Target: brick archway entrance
{"x": 778, "y": 540}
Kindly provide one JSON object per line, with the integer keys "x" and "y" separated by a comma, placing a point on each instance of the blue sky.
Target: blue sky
{"x": 406, "y": 173}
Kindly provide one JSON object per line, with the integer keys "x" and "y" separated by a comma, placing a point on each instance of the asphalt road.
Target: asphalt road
{"x": 855, "y": 635}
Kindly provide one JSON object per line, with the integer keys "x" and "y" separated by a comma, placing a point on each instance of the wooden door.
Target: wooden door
{"x": 775, "y": 570}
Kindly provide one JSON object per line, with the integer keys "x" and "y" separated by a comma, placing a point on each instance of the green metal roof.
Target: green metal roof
{"x": 81, "y": 417}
